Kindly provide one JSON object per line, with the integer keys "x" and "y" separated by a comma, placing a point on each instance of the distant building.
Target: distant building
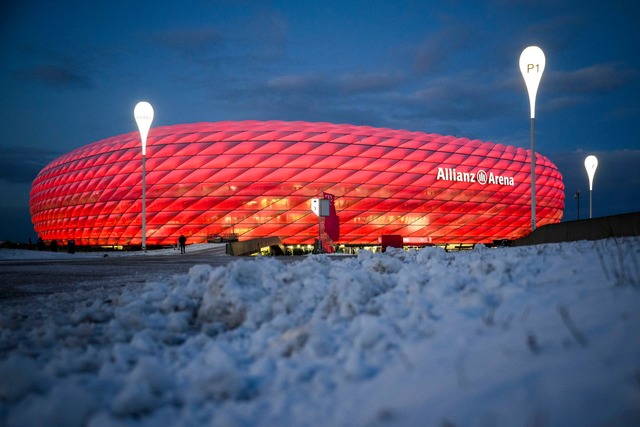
{"x": 253, "y": 179}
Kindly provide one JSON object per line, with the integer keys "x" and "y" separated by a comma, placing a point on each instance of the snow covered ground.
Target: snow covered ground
{"x": 544, "y": 335}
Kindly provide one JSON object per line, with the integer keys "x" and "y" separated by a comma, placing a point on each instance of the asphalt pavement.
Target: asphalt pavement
{"x": 24, "y": 278}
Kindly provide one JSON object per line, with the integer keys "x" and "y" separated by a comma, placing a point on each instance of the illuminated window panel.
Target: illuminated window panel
{"x": 256, "y": 179}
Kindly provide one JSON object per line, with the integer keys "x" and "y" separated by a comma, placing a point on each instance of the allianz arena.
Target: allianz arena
{"x": 256, "y": 179}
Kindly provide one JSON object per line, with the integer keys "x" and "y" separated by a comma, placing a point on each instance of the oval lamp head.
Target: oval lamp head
{"x": 144, "y": 116}
{"x": 591, "y": 164}
{"x": 532, "y": 62}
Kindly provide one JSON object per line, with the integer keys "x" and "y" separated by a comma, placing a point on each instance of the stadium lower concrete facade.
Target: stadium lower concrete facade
{"x": 256, "y": 179}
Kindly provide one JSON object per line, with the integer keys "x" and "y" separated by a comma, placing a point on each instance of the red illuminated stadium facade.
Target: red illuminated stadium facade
{"x": 256, "y": 179}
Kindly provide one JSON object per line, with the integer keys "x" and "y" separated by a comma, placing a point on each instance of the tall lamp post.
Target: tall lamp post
{"x": 143, "y": 112}
{"x": 532, "y": 62}
{"x": 591, "y": 164}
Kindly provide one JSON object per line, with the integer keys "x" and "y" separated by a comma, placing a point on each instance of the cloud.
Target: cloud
{"x": 459, "y": 97}
{"x": 596, "y": 78}
{"x": 60, "y": 66}
{"x": 310, "y": 83}
{"x": 268, "y": 28}
{"x": 56, "y": 76}
{"x": 190, "y": 42}
{"x": 22, "y": 165}
{"x": 464, "y": 103}
{"x": 562, "y": 102}
{"x": 260, "y": 37}
{"x": 441, "y": 47}
{"x": 344, "y": 84}
{"x": 359, "y": 82}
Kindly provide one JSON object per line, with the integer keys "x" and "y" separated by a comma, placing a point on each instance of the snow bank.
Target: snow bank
{"x": 541, "y": 335}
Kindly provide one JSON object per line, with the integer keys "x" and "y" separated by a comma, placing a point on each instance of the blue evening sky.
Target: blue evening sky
{"x": 72, "y": 71}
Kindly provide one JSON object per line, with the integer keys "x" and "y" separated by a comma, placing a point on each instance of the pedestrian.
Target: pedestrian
{"x": 183, "y": 242}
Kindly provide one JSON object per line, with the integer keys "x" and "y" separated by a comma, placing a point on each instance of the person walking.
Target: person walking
{"x": 183, "y": 243}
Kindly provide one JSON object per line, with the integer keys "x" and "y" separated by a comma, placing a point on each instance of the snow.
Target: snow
{"x": 543, "y": 335}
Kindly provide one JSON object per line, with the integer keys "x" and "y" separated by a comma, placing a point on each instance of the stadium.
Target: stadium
{"x": 253, "y": 179}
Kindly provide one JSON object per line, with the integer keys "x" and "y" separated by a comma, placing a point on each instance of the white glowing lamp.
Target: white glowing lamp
{"x": 143, "y": 113}
{"x": 532, "y": 63}
{"x": 591, "y": 164}
{"x": 144, "y": 116}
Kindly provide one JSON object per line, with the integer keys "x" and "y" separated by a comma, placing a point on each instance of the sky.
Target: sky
{"x": 71, "y": 73}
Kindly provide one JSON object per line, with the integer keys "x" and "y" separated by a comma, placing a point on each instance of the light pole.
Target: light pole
{"x": 532, "y": 62}
{"x": 577, "y": 197}
{"x": 591, "y": 164}
{"x": 144, "y": 116}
